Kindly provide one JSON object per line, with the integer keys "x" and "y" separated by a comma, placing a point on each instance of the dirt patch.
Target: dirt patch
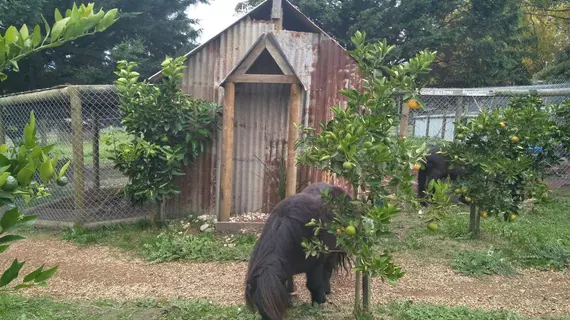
{"x": 103, "y": 273}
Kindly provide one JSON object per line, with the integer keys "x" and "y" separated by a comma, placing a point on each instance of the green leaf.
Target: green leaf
{"x": 25, "y": 175}
{"x": 57, "y": 15}
{"x": 36, "y": 36}
{"x": 58, "y": 28}
{"x": 48, "y": 29}
{"x": 3, "y": 76}
{"x": 11, "y": 238}
{"x": 34, "y": 274}
{"x": 107, "y": 20}
{"x": 46, "y": 171}
{"x": 45, "y": 275}
{"x": 9, "y": 219}
{"x": 11, "y": 35}
{"x": 11, "y": 273}
{"x": 24, "y": 32}
{"x": 4, "y": 248}
{"x": 64, "y": 169}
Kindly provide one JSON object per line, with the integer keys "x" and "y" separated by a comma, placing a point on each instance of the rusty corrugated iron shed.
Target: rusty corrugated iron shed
{"x": 261, "y": 110}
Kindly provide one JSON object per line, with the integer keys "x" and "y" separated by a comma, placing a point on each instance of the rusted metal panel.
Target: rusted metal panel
{"x": 260, "y": 144}
{"x": 261, "y": 117}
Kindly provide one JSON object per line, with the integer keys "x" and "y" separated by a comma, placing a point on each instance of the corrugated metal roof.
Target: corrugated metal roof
{"x": 248, "y": 15}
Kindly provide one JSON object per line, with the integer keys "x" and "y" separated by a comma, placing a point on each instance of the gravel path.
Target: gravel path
{"x": 105, "y": 273}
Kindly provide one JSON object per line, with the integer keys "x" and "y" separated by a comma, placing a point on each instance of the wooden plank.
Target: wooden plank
{"x": 227, "y": 153}
{"x": 294, "y": 109}
{"x": 279, "y": 58}
{"x": 404, "y": 118}
{"x": 251, "y": 57}
{"x": 263, "y": 78}
{"x": 276, "y": 9}
{"x": 77, "y": 160}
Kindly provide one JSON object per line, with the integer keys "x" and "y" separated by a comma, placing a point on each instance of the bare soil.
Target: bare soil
{"x": 105, "y": 273}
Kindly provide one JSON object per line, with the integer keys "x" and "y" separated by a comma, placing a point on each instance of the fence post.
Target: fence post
{"x": 2, "y": 128}
{"x": 458, "y": 113}
{"x": 77, "y": 146}
{"x": 96, "y": 156}
{"x": 404, "y": 120}
{"x": 227, "y": 153}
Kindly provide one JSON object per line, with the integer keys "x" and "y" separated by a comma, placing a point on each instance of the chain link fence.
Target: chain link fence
{"x": 79, "y": 120}
{"x": 445, "y": 106}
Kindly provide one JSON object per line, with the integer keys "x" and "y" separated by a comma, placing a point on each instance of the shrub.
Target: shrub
{"x": 169, "y": 129}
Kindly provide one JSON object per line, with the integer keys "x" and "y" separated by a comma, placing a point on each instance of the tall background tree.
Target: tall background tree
{"x": 147, "y": 31}
{"x": 479, "y": 42}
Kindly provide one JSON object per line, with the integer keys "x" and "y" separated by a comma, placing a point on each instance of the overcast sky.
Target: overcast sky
{"x": 215, "y": 17}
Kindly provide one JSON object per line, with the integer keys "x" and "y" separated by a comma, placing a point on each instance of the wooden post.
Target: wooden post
{"x": 277, "y": 14}
{"x": 2, "y": 127}
{"x": 294, "y": 109}
{"x": 227, "y": 152}
{"x": 404, "y": 119}
{"x": 77, "y": 146}
{"x": 96, "y": 155}
{"x": 458, "y": 113}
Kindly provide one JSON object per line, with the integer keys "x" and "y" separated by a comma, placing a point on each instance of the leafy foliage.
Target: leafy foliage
{"x": 18, "y": 165}
{"x": 482, "y": 263}
{"x": 77, "y": 22}
{"x": 92, "y": 60}
{"x": 169, "y": 129}
{"x": 504, "y": 152}
{"x": 358, "y": 145}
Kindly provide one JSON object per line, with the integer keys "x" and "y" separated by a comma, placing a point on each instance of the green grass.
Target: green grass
{"x": 181, "y": 240}
{"x": 539, "y": 238}
{"x": 18, "y": 308}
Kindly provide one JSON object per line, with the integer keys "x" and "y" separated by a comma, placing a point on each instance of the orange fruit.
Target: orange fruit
{"x": 413, "y": 104}
{"x": 433, "y": 226}
{"x": 339, "y": 232}
{"x": 503, "y": 125}
{"x": 512, "y": 217}
{"x": 484, "y": 214}
{"x": 416, "y": 167}
{"x": 350, "y": 230}
{"x": 515, "y": 139}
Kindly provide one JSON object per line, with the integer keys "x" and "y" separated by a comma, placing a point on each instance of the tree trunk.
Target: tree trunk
{"x": 474, "y": 220}
{"x": 358, "y": 284}
{"x": 365, "y": 293}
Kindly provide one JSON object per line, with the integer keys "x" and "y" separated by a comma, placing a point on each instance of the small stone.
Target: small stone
{"x": 204, "y": 227}
{"x": 209, "y": 230}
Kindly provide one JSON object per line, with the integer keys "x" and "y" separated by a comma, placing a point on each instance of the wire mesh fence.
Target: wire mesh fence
{"x": 445, "y": 106}
{"x": 79, "y": 120}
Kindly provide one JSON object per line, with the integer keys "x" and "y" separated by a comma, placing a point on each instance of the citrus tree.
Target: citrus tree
{"x": 20, "y": 164}
{"x": 78, "y": 22}
{"x": 359, "y": 144}
{"x": 504, "y": 152}
{"x": 169, "y": 130}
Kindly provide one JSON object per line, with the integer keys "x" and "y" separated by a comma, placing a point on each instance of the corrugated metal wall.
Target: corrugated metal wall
{"x": 261, "y": 114}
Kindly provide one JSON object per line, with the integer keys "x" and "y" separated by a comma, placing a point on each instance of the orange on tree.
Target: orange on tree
{"x": 339, "y": 232}
{"x": 484, "y": 214}
{"x": 512, "y": 217}
{"x": 350, "y": 230}
{"x": 417, "y": 167}
{"x": 515, "y": 139}
{"x": 413, "y": 104}
{"x": 503, "y": 125}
